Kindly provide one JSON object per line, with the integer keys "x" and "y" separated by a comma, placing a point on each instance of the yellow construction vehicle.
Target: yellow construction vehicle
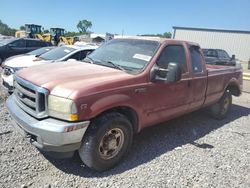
{"x": 33, "y": 31}
{"x": 58, "y": 37}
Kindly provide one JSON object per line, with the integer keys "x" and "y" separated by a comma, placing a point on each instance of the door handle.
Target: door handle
{"x": 189, "y": 83}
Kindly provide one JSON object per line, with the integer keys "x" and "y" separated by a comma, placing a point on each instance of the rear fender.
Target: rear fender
{"x": 234, "y": 87}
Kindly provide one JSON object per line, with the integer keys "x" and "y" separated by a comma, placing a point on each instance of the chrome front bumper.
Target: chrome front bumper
{"x": 7, "y": 83}
{"x": 47, "y": 134}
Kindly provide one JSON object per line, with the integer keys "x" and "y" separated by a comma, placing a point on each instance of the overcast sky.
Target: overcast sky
{"x": 131, "y": 16}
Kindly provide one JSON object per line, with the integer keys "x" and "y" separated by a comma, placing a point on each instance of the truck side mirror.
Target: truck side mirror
{"x": 233, "y": 57}
{"x": 172, "y": 74}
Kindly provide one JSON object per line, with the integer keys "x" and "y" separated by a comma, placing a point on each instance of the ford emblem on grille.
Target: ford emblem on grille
{"x": 21, "y": 95}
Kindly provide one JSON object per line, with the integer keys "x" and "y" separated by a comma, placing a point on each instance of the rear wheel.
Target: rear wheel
{"x": 106, "y": 141}
{"x": 222, "y": 107}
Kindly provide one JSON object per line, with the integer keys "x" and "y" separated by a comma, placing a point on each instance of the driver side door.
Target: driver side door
{"x": 168, "y": 100}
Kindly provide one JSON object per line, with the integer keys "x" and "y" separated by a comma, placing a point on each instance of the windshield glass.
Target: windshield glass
{"x": 57, "y": 53}
{"x": 40, "y": 51}
{"x": 6, "y": 41}
{"x": 125, "y": 54}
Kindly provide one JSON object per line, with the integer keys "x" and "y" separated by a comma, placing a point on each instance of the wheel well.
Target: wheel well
{"x": 234, "y": 89}
{"x": 129, "y": 113}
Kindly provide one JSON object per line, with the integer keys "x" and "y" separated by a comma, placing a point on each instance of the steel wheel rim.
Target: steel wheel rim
{"x": 225, "y": 105}
{"x": 111, "y": 143}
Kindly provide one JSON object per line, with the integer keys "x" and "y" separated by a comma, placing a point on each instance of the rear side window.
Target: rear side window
{"x": 223, "y": 54}
{"x": 173, "y": 53}
{"x": 33, "y": 43}
{"x": 196, "y": 59}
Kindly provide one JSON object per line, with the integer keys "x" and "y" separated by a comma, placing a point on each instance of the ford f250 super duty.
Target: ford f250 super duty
{"x": 95, "y": 106}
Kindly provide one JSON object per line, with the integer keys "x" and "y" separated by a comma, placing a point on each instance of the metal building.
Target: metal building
{"x": 233, "y": 41}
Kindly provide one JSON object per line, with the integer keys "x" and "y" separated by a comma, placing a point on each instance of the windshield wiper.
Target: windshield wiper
{"x": 92, "y": 61}
{"x": 115, "y": 65}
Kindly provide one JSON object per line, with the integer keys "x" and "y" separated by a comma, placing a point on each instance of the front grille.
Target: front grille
{"x": 31, "y": 98}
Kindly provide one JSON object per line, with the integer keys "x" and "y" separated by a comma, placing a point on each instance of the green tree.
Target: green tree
{"x": 22, "y": 27}
{"x": 83, "y": 26}
{"x": 167, "y": 35}
{"x": 164, "y": 35}
{"x": 6, "y": 30}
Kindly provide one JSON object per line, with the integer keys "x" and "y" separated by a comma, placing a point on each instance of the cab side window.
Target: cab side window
{"x": 196, "y": 59}
{"x": 173, "y": 53}
{"x": 19, "y": 44}
{"x": 223, "y": 54}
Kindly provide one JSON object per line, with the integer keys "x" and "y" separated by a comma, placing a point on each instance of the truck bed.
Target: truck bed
{"x": 218, "y": 79}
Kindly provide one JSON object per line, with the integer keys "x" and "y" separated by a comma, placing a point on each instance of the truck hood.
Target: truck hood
{"x": 74, "y": 79}
{"x": 25, "y": 61}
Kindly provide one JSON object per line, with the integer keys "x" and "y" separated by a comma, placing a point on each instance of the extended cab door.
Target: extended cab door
{"x": 167, "y": 100}
{"x": 199, "y": 77}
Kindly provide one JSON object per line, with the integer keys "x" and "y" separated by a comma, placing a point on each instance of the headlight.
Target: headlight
{"x": 62, "y": 108}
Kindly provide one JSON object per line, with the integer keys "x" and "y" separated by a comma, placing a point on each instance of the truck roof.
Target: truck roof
{"x": 158, "y": 39}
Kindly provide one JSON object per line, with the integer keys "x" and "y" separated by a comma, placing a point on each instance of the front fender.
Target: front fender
{"x": 109, "y": 102}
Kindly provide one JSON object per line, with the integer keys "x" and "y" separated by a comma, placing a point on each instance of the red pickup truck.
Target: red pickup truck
{"x": 96, "y": 106}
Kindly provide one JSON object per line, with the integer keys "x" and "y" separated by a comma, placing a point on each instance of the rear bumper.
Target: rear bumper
{"x": 47, "y": 134}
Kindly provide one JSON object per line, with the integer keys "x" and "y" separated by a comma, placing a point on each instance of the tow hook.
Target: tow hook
{"x": 33, "y": 141}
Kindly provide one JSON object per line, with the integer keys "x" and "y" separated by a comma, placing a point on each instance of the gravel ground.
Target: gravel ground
{"x": 191, "y": 151}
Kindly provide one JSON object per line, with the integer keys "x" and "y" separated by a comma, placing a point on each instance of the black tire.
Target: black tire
{"x": 222, "y": 107}
{"x": 61, "y": 44}
{"x": 100, "y": 130}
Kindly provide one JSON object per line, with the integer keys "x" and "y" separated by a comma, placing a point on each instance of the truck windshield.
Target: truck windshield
{"x": 40, "y": 51}
{"x": 131, "y": 55}
{"x": 57, "y": 53}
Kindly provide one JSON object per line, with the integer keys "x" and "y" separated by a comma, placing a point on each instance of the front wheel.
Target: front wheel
{"x": 222, "y": 107}
{"x": 106, "y": 141}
